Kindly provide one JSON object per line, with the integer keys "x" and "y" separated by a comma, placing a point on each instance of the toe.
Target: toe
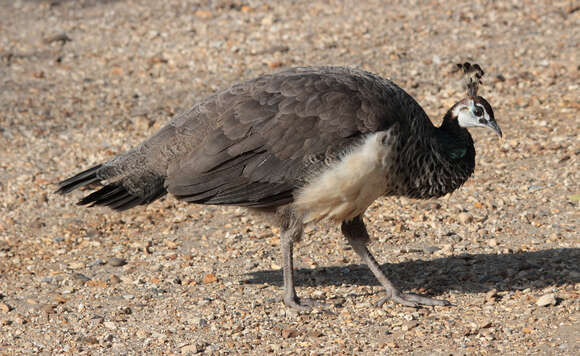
{"x": 296, "y": 304}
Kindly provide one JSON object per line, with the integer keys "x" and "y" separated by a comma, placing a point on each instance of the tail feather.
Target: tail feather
{"x": 105, "y": 195}
{"x": 80, "y": 180}
{"x": 114, "y": 195}
{"x": 126, "y": 203}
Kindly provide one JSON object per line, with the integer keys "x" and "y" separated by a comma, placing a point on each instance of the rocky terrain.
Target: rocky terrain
{"x": 81, "y": 81}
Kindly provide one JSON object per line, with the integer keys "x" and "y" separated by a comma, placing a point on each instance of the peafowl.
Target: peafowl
{"x": 304, "y": 145}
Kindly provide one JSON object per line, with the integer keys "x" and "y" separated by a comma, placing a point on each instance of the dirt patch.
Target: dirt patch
{"x": 82, "y": 81}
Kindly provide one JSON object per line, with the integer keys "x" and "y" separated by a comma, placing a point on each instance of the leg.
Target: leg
{"x": 357, "y": 235}
{"x": 291, "y": 229}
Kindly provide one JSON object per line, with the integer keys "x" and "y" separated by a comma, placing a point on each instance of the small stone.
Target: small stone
{"x": 491, "y": 295}
{"x": 315, "y": 333}
{"x": 447, "y": 249}
{"x": 409, "y": 325}
{"x": 432, "y": 205}
{"x": 91, "y": 340}
{"x": 68, "y": 290}
{"x": 190, "y": 349}
{"x": 199, "y": 322}
{"x": 5, "y": 308}
{"x": 485, "y": 325}
{"x": 59, "y": 298}
{"x": 110, "y": 325}
{"x": 464, "y": 218}
{"x": 20, "y": 321}
{"x": 61, "y": 37}
{"x": 114, "y": 279}
{"x": 80, "y": 278}
{"x": 209, "y": 278}
{"x": 117, "y": 261}
{"x": 288, "y": 333}
{"x": 125, "y": 310}
{"x": 432, "y": 249}
{"x": 547, "y": 299}
{"x": 275, "y": 64}
{"x": 76, "y": 265}
{"x": 492, "y": 242}
{"x": 204, "y": 14}
{"x": 47, "y": 308}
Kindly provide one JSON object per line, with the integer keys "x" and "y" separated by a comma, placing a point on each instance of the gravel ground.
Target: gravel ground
{"x": 83, "y": 80}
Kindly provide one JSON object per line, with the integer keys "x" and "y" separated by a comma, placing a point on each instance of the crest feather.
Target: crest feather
{"x": 472, "y": 77}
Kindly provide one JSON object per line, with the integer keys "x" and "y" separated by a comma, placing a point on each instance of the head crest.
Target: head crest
{"x": 472, "y": 77}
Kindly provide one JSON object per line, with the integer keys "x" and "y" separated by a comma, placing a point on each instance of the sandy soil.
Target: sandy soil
{"x": 83, "y": 80}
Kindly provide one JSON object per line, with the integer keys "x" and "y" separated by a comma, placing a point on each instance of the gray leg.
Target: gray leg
{"x": 291, "y": 229}
{"x": 356, "y": 233}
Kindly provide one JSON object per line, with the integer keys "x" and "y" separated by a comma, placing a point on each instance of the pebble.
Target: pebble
{"x": 114, "y": 279}
{"x": 110, "y": 325}
{"x": 91, "y": 340}
{"x": 5, "y": 308}
{"x": 199, "y": 322}
{"x": 492, "y": 295}
{"x": 315, "y": 333}
{"x": 191, "y": 349}
{"x": 546, "y": 300}
{"x": 447, "y": 249}
{"x": 431, "y": 249}
{"x": 76, "y": 265}
{"x": 117, "y": 261}
{"x": 68, "y": 290}
{"x": 288, "y": 333}
{"x": 209, "y": 278}
{"x": 464, "y": 218}
{"x": 80, "y": 278}
{"x": 409, "y": 325}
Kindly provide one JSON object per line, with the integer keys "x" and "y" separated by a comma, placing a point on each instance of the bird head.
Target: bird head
{"x": 474, "y": 110}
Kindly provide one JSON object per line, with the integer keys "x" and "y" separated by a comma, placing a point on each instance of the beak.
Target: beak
{"x": 495, "y": 127}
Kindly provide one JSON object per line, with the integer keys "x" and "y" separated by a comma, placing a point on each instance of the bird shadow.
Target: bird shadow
{"x": 469, "y": 273}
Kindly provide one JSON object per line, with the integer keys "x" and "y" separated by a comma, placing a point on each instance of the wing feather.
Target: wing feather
{"x": 268, "y": 133}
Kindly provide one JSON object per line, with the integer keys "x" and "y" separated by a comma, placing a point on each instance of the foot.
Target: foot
{"x": 412, "y": 300}
{"x": 303, "y": 304}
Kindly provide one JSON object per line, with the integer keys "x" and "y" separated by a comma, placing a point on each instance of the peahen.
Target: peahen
{"x": 304, "y": 144}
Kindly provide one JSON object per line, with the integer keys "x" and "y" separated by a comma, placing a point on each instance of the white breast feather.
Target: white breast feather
{"x": 346, "y": 189}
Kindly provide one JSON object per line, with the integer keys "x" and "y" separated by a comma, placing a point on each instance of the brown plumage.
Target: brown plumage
{"x": 306, "y": 143}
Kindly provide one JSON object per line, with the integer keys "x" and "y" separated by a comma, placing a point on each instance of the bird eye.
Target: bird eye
{"x": 478, "y": 111}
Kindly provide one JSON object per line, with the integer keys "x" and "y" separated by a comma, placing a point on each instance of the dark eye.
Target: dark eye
{"x": 478, "y": 111}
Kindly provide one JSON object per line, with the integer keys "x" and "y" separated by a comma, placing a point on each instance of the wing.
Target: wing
{"x": 262, "y": 138}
